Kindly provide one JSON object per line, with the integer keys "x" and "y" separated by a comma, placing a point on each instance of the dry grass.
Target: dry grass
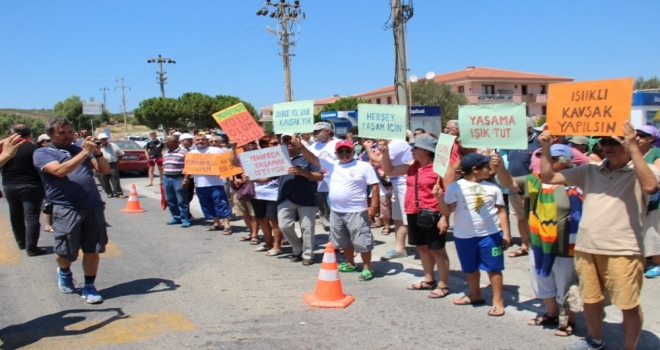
{"x": 32, "y": 113}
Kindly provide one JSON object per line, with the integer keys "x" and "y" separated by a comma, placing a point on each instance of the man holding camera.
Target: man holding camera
{"x": 78, "y": 211}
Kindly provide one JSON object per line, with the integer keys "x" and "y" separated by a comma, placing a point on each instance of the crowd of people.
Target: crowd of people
{"x": 559, "y": 192}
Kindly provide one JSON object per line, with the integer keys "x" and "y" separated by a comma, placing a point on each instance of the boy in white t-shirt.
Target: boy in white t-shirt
{"x": 349, "y": 222}
{"x": 481, "y": 228}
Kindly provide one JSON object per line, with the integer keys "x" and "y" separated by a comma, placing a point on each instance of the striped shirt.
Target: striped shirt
{"x": 173, "y": 161}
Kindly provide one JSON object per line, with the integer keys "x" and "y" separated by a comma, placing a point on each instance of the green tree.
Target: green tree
{"x": 9, "y": 119}
{"x": 71, "y": 109}
{"x": 195, "y": 108}
{"x": 157, "y": 111}
{"x": 349, "y": 103}
{"x": 427, "y": 92}
{"x": 643, "y": 84}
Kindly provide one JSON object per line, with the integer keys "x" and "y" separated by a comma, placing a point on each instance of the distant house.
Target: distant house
{"x": 478, "y": 84}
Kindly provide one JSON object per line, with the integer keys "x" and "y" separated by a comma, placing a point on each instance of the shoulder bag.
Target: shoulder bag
{"x": 246, "y": 191}
{"x": 425, "y": 218}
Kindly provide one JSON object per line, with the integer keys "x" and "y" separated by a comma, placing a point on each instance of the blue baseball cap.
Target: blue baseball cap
{"x": 471, "y": 160}
{"x": 559, "y": 150}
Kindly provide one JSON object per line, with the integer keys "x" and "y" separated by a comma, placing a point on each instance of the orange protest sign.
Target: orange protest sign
{"x": 226, "y": 169}
{"x": 589, "y": 108}
{"x": 202, "y": 164}
{"x": 238, "y": 124}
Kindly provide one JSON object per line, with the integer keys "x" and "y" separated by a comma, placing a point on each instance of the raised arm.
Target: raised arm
{"x": 646, "y": 178}
{"x": 368, "y": 146}
{"x": 504, "y": 177}
{"x": 548, "y": 175}
{"x": 297, "y": 144}
{"x": 388, "y": 168}
{"x": 233, "y": 158}
{"x": 63, "y": 169}
{"x": 10, "y": 147}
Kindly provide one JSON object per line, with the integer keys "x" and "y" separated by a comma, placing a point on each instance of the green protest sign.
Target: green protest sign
{"x": 293, "y": 117}
{"x": 382, "y": 121}
{"x": 443, "y": 154}
{"x": 497, "y": 125}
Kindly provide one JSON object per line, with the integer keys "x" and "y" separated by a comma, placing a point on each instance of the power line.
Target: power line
{"x": 161, "y": 75}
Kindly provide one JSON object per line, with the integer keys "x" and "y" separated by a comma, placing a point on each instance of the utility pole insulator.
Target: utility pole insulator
{"x": 161, "y": 74}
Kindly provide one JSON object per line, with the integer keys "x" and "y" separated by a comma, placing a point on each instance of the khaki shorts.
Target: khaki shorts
{"x": 517, "y": 207}
{"x": 620, "y": 275}
{"x": 241, "y": 208}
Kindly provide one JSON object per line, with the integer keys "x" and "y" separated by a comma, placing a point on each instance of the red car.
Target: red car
{"x": 134, "y": 158}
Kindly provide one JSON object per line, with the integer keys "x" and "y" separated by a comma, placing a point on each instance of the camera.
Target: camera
{"x": 97, "y": 142}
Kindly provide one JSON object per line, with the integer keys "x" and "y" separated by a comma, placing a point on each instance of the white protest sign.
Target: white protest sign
{"x": 443, "y": 154}
{"x": 266, "y": 162}
{"x": 293, "y": 117}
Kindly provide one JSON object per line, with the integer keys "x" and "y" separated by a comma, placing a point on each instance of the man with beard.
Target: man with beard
{"x": 78, "y": 219}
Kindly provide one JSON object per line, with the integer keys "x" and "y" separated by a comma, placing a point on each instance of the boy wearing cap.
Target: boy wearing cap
{"x": 481, "y": 228}
{"x": 113, "y": 154}
{"x": 349, "y": 221}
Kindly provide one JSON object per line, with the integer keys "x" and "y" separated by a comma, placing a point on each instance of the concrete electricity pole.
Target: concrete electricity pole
{"x": 401, "y": 13}
{"x": 123, "y": 101}
{"x": 105, "y": 105}
{"x": 161, "y": 75}
{"x": 287, "y": 15}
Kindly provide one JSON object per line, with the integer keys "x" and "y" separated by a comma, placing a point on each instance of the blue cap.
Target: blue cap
{"x": 559, "y": 150}
{"x": 471, "y": 160}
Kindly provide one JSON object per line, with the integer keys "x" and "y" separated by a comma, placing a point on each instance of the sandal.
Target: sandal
{"x": 565, "y": 332}
{"x": 49, "y": 228}
{"x": 344, "y": 267}
{"x": 273, "y": 252}
{"x": 465, "y": 300}
{"x": 255, "y": 241}
{"x": 376, "y": 225}
{"x": 227, "y": 231}
{"x": 423, "y": 285}
{"x": 444, "y": 292}
{"x": 496, "y": 311}
{"x": 385, "y": 231}
{"x": 246, "y": 238}
{"x": 544, "y": 320}
{"x": 212, "y": 228}
{"x": 261, "y": 249}
{"x": 518, "y": 252}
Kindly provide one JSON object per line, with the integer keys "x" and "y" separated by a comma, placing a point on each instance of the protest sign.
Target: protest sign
{"x": 238, "y": 124}
{"x": 202, "y": 164}
{"x": 443, "y": 154}
{"x": 293, "y": 117}
{"x": 382, "y": 121}
{"x": 225, "y": 167}
{"x": 497, "y": 125}
{"x": 266, "y": 162}
{"x": 589, "y": 108}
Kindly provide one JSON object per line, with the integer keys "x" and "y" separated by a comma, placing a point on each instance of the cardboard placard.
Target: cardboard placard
{"x": 382, "y": 121}
{"x": 496, "y": 125}
{"x": 225, "y": 167}
{"x": 293, "y": 117}
{"x": 443, "y": 154}
{"x": 589, "y": 108}
{"x": 266, "y": 162}
{"x": 202, "y": 164}
{"x": 238, "y": 124}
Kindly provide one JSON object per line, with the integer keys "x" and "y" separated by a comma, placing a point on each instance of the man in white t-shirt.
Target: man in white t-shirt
{"x": 324, "y": 148}
{"x": 211, "y": 191}
{"x": 400, "y": 153}
{"x": 349, "y": 222}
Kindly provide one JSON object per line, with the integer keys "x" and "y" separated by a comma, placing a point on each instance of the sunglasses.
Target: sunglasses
{"x": 344, "y": 151}
{"x": 216, "y": 141}
{"x": 643, "y": 134}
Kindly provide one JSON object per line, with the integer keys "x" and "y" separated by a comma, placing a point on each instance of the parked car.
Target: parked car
{"x": 140, "y": 140}
{"x": 134, "y": 158}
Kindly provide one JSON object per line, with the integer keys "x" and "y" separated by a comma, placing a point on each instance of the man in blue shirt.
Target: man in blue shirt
{"x": 78, "y": 218}
{"x": 519, "y": 165}
{"x": 297, "y": 196}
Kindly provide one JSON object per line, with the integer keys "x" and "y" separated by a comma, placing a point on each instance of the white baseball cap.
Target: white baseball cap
{"x": 176, "y": 133}
{"x": 102, "y": 136}
{"x": 185, "y": 136}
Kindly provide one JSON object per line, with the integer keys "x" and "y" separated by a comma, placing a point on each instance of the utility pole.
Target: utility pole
{"x": 161, "y": 75}
{"x": 123, "y": 101}
{"x": 104, "y": 89}
{"x": 401, "y": 13}
{"x": 287, "y": 15}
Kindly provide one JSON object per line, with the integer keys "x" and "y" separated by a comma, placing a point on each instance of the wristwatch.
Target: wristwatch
{"x": 98, "y": 155}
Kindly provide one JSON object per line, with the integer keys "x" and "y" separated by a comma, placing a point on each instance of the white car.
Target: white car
{"x": 140, "y": 140}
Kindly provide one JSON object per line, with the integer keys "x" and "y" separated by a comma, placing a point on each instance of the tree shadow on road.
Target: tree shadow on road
{"x": 139, "y": 287}
{"x": 53, "y": 325}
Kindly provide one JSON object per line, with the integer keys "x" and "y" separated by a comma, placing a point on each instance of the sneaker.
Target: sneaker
{"x": 653, "y": 272}
{"x": 344, "y": 267}
{"x": 393, "y": 254}
{"x": 90, "y": 293}
{"x": 366, "y": 275}
{"x": 295, "y": 258}
{"x": 66, "y": 283}
{"x": 174, "y": 222}
{"x": 186, "y": 223}
{"x": 586, "y": 344}
{"x": 308, "y": 262}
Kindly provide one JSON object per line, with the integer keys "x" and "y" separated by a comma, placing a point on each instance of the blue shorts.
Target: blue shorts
{"x": 480, "y": 253}
{"x": 213, "y": 201}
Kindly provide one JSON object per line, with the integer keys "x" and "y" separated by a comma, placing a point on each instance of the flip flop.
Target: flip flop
{"x": 227, "y": 231}
{"x": 212, "y": 228}
{"x": 518, "y": 252}
{"x": 434, "y": 295}
{"x": 246, "y": 238}
{"x": 255, "y": 241}
{"x": 465, "y": 300}
{"x": 261, "y": 249}
{"x": 273, "y": 252}
{"x": 385, "y": 231}
{"x": 495, "y": 311}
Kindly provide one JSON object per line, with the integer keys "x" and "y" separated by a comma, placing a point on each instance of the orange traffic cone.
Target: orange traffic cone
{"x": 133, "y": 205}
{"x": 328, "y": 292}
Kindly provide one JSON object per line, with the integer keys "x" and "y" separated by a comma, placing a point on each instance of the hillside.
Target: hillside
{"x": 31, "y": 113}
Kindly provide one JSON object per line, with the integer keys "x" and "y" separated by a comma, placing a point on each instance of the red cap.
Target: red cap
{"x": 344, "y": 143}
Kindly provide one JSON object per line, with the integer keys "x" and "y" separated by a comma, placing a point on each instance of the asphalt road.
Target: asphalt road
{"x": 167, "y": 287}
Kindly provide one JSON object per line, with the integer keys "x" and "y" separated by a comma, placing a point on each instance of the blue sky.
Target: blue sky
{"x": 50, "y": 50}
